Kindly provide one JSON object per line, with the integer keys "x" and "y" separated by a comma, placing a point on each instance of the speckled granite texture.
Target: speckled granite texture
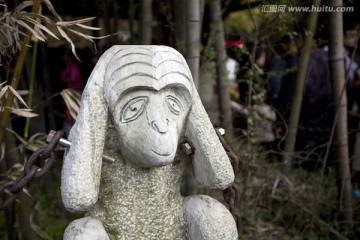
{"x": 140, "y": 104}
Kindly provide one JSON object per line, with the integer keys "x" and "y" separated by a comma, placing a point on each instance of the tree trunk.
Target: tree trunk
{"x": 146, "y": 22}
{"x": 193, "y": 30}
{"x": 192, "y": 56}
{"x": 337, "y": 77}
{"x": 222, "y": 80}
{"x": 180, "y": 25}
{"x": 107, "y": 28}
{"x": 131, "y": 17}
{"x": 298, "y": 91}
{"x": 115, "y": 22}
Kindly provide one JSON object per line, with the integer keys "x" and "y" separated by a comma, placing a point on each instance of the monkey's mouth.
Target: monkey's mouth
{"x": 165, "y": 154}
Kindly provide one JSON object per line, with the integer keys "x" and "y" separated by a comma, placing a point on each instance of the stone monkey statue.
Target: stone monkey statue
{"x": 139, "y": 105}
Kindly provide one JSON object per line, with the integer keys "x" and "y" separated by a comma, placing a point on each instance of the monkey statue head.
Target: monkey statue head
{"x": 149, "y": 95}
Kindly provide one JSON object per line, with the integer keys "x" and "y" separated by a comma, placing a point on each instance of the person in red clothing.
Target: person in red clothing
{"x": 71, "y": 75}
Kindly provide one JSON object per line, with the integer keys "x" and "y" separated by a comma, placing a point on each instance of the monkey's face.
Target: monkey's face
{"x": 150, "y": 122}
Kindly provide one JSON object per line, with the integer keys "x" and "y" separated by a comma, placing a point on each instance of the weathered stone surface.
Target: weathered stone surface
{"x": 86, "y": 228}
{"x": 139, "y": 105}
{"x": 207, "y": 219}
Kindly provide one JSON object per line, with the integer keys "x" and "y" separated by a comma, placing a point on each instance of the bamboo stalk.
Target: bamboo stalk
{"x": 337, "y": 78}
{"x": 180, "y": 25}
{"x": 193, "y": 30}
{"x": 192, "y": 56}
{"x": 298, "y": 91}
{"x": 222, "y": 80}
{"x": 4, "y": 118}
{"x": 146, "y": 22}
{"x": 31, "y": 87}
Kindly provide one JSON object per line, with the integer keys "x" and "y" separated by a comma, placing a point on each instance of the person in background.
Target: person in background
{"x": 72, "y": 76}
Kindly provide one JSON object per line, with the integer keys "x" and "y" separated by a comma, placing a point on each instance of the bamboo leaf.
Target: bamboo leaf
{"x": 26, "y": 191}
{"x": 3, "y": 83}
{"x": 72, "y": 100}
{"x": 2, "y": 152}
{"x": 36, "y": 16}
{"x": 42, "y": 27}
{"x": 5, "y": 38}
{"x": 36, "y": 34}
{"x": 3, "y": 91}
{"x": 15, "y": 170}
{"x": 52, "y": 9}
{"x": 23, "y": 112}
{"x": 36, "y": 228}
{"x": 87, "y": 27}
{"x": 75, "y": 22}
{"x": 87, "y": 37}
{"x": 64, "y": 35}
{"x": 38, "y": 139}
{"x": 23, "y": 5}
{"x": 17, "y": 95}
{"x": 23, "y": 92}
{"x": 21, "y": 139}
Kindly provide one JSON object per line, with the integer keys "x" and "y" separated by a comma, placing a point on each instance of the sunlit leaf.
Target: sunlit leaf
{"x": 23, "y": 112}
{"x": 52, "y": 9}
{"x": 36, "y": 141}
{"x": 3, "y": 91}
{"x": 88, "y": 27}
{"x": 72, "y": 100}
{"x": 64, "y": 35}
{"x": 22, "y": 92}
{"x": 2, "y": 151}
{"x": 13, "y": 23}
{"x": 79, "y": 21}
{"x": 36, "y": 34}
{"x": 84, "y": 36}
{"x": 18, "y": 96}
{"x": 42, "y": 27}
{"x": 15, "y": 170}
{"x": 23, "y": 5}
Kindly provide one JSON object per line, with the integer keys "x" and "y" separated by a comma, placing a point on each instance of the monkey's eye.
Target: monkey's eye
{"x": 174, "y": 104}
{"x": 133, "y": 109}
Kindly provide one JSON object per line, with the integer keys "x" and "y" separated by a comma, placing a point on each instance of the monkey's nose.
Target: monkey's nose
{"x": 157, "y": 118}
{"x": 160, "y": 125}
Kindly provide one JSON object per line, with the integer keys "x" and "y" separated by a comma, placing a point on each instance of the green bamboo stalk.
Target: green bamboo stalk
{"x": 298, "y": 91}
{"x": 4, "y": 118}
{"x": 31, "y": 88}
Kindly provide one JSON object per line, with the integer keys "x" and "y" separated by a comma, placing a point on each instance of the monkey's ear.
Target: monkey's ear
{"x": 80, "y": 177}
{"x": 211, "y": 165}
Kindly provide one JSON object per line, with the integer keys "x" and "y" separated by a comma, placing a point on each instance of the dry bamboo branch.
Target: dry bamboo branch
{"x": 4, "y": 118}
